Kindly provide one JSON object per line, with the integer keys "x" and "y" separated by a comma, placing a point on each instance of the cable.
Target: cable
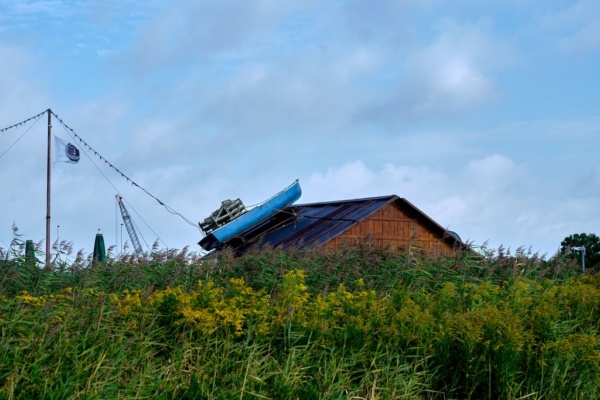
{"x": 169, "y": 209}
{"x": 138, "y": 214}
{"x": 20, "y": 137}
{"x": 118, "y": 192}
{"x": 140, "y": 233}
{"x": 111, "y": 184}
{"x": 72, "y": 133}
{"x": 74, "y": 136}
{"x": 22, "y": 122}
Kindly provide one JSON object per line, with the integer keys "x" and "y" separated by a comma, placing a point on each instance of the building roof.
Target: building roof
{"x": 314, "y": 224}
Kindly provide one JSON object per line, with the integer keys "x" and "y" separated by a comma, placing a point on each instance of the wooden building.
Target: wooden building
{"x": 387, "y": 221}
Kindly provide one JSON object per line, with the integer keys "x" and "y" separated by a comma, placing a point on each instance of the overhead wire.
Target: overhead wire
{"x": 74, "y": 135}
{"x": 77, "y": 137}
{"x": 20, "y": 137}
{"x": 149, "y": 227}
{"x": 22, "y": 122}
{"x": 117, "y": 191}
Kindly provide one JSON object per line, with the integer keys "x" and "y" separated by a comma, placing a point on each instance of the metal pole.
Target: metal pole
{"x": 116, "y": 226}
{"x": 581, "y": 249}
{"x": 48, "y": 192}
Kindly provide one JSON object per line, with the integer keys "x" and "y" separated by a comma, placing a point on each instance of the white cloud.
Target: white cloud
{"x": 310, "y": 91}
{"x": 579, "y": 25}
{"x": 349, "y": 178}
{"x": 50, "y": 8}
{"x": 204, "y": 29}
{"x": 355, "y": 179}
{"x": 493, "y": 174}
{"x": 455, "y": 71}
{"x": 357, "y": 99}
{"x": 586, "y": 40}
{"x": 356, "y": 63}
{"x": 260, "y": 69}
{"x": 19, "y": 81}
{"x": 492, "y": 199}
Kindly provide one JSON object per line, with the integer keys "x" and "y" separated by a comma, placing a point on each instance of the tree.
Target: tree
{"x": 590, "y": 241}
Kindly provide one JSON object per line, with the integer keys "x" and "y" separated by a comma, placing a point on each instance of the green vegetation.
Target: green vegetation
{"x": 590, "y": 241}
{"x": 359, "y": 323}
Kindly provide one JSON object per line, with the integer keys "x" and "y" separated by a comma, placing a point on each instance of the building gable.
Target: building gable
{"x": 396, "y": 226}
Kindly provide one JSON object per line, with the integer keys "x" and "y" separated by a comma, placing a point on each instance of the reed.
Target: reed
{"x": 360, "y": 322}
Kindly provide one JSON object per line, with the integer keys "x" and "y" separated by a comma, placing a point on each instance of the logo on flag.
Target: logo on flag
{"x": 72, "y": 153}
{"x": 65, "y": 152}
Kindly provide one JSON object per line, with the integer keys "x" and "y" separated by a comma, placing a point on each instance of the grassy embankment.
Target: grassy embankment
{"x": 358, "y": 323}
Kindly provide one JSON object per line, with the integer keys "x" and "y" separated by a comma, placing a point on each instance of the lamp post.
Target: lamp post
{"x": 582, "y": 250}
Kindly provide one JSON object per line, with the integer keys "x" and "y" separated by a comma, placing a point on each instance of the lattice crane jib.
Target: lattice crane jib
{"x": 129, "y": 226}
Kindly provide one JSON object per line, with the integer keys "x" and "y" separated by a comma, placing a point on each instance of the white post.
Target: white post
{"x": 582, "y": 250}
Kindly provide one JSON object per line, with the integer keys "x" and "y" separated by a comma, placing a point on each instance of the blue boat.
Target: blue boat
{"x": 232, "y": 219}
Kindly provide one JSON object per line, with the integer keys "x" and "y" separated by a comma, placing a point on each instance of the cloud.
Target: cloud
{"x": 214, "y": 100}
{"x": 367, "y": 22}
{"x": 579, "y": 25}
{"x": 303, "y": 92}
{"x": 447, "y": 70}
{"x": 584, "y": 41}
{"x": 491, "y": 199}
{"x": 355, "y": 179}
{"x": 455, "y": 71}
{"x": 205, "y": 29}
{"x": 335, "y": 181}
{"x": 33, "y": 8}
{"x": 297, "y": 67}
{"x": 21, "y": 157}
{"x": 494, "y": 173}
{"x": 19, "y": 80}
{"x": 263, "y": 68}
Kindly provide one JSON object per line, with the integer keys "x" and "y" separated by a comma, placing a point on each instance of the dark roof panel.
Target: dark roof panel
{"x": 306, "y": 225}
{"x": 309, "y": 225}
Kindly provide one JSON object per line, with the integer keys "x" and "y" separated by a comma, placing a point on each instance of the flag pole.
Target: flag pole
{"x": 48, "y": 192}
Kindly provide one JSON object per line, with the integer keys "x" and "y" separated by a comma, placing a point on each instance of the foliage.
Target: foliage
{"x": 357, "y": 323}
{"x": 590, "y": 241}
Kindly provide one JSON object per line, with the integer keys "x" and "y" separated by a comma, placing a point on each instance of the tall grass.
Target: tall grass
{"x": 360, "y": 322}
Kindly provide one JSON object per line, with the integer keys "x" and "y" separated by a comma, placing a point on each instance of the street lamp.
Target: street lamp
{"x": 582, "y": 250}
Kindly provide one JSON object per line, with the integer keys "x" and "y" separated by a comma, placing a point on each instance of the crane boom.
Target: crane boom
{"x": 129, "y": 226}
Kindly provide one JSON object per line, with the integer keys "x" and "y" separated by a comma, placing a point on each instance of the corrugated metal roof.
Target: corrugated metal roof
{"x": 309, "y": 225}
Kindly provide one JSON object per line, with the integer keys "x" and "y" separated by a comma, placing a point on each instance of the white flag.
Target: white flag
{"x": 65, "y": 152}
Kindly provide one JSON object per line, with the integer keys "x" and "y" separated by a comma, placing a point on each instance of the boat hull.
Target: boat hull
{"x": 249, "y": 219}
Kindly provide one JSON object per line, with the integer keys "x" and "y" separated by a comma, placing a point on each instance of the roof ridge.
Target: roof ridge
{"x": 391, "y": 197}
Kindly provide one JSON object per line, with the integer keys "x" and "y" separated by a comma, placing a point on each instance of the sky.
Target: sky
{"x": 483, "y": 114}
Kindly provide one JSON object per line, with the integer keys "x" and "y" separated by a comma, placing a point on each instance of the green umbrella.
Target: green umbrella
{"x": 29, "y": 252}
{"x": 99, "y": 249}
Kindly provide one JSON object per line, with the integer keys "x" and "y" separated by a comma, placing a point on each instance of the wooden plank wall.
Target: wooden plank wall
{"x": 392, "y": 227}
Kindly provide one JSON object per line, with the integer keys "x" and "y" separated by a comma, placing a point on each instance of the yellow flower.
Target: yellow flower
{"x": 26, "y": 298}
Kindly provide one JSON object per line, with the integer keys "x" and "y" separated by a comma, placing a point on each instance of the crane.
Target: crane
{"x": 129, "y": 225}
